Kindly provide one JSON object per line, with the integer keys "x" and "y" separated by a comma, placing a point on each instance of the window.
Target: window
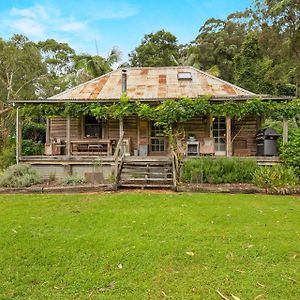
{"x": 92, "y": 127}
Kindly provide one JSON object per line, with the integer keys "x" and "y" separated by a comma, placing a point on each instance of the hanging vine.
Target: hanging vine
{"x": 168, "y": 112}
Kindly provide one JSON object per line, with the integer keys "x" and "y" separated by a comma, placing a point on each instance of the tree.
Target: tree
{"x": 21, "y": 66}
{"x": 286, "y": 17}
{"x": 89, "y": 66}
{"x": 157, "y": 49}
{"x": 59, "y": 60}
{"x": 218, "y": 42}
{"x": 251, "y": 68}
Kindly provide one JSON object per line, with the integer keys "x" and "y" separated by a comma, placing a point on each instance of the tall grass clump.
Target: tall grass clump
{"x": 277, "y": 179}
{"x": 218, "y": 170}
{"x": 21, "y": 175}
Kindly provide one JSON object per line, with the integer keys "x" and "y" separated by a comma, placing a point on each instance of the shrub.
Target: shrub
{"x": 218, "y": 170}
{"x": 30, "y": 147}
{"x": 290, "y": 152}
{"x": 278, "y": 178}
{"x": 7, "y": 157}
{"x": 21, "y": 175}
{"x": 73, "y": 180}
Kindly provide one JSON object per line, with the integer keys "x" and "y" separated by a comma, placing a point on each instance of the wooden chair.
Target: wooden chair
{"x": 207, "y": 146}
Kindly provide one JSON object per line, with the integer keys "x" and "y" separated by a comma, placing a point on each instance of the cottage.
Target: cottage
{"x": 79, "y": 145}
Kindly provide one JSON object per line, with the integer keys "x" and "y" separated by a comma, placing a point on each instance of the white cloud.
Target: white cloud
{"x": 73, "y": 26}
{"x": 79, "y": 27}
{"x": 29, "y": 27}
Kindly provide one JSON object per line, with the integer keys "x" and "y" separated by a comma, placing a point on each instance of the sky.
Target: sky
{"x": 88, "y": 25}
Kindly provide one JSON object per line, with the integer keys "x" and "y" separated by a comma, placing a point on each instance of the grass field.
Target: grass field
{"x": 149, "y": 246}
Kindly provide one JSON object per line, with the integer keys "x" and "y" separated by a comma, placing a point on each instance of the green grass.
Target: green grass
{"x": 70, "y": 246}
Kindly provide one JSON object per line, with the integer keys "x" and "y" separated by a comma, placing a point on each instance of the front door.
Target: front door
{"x": 158, "y": 140}
{"x": 219, "y": 134}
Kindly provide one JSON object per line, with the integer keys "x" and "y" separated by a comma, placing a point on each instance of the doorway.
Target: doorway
{"x": 219, "y": 134}
{"x": 158, "y": 140}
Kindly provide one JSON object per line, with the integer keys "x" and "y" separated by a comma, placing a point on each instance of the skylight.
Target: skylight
{"x": 184, "y": 76}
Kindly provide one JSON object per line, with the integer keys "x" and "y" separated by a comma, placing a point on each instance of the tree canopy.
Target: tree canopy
{"x": 157, "y": 49}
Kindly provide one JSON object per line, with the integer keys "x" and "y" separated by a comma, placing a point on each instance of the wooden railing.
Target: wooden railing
{"x": 119, "y": 158}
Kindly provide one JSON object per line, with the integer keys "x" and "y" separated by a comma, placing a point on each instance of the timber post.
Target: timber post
{"x": 18, "y": 136}
{"x": 47, "y": 130}
{"x": 228, "y": 137}
{"x": 285, "y": 131}
{"x": 68, "y": 136}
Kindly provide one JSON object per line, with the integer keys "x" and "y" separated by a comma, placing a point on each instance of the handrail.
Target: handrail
{"x": 118, "y": 166}
{"x": 118, "y": 148}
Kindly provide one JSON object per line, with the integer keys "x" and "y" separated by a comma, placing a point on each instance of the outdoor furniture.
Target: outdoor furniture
{"x": 192, "y": 148}
{"x": 91, "y": 147}
{"x": 207, "y": 146}
{"x": 54, "y": 147}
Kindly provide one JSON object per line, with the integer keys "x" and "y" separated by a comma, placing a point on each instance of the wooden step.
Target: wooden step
{"x": 151, "y": 186}
{"x": 147, "y": 179}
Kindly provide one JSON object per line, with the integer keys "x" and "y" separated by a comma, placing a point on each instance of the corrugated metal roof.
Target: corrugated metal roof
{"x": 153, "y": 83}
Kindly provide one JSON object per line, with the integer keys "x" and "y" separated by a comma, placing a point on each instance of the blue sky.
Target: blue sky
{"x": 121, "y": 23}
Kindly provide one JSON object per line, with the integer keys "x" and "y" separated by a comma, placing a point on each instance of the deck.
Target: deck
{"x": 92, "y": 159}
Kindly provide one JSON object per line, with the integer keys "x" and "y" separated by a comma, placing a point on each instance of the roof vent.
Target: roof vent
{"x": 184, "y": 76}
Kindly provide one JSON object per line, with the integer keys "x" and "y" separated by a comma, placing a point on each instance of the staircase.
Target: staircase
{"x": 146, "y": 172}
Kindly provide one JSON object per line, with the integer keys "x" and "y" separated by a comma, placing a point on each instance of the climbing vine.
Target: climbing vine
{"x": 168, "y": 112}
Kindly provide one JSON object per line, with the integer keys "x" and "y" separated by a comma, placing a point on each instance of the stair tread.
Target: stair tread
{"x": 146, "y": 185}
{"x": 147, "y": 179}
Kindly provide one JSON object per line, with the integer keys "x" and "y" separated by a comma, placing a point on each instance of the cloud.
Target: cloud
{"x": 36, "y": 11}
{"x": 29, "y": 27}
{"x": 73, "y": 26}
{"x": 65, "y": 22}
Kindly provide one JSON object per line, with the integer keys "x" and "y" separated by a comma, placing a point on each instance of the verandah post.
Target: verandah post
{"x": 228, "y": 137}
{"x": 68, "y": 136}
{"x": 18, "y": 136}
{"x": 47, "y": 130}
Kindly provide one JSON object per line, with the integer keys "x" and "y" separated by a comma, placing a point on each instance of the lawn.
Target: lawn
{"x": 149, "y": 246}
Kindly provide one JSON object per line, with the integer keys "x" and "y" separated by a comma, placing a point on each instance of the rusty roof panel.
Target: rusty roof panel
{"x": 152, "y": 83}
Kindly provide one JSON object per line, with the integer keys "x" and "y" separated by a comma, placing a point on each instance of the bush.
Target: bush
{"x": 21, "y": 175}
{"x": 218, "y": 170}
{"x": 7, "y": 157}
{"x": 30, "y": 147}
{"x": 278, "y": 178}
{"x": 290, "y": 152}
{"x": 73, "y": 180}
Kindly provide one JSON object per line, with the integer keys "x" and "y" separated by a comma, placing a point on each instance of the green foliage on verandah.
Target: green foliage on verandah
{"x": 168, "y": 112}
{"x": 135, "y": 245}
{"x": 218, "y": 170}
{"x": 278, "y": 178}
{"x": 290, "y": 152}
{"x": 21, "y": 175}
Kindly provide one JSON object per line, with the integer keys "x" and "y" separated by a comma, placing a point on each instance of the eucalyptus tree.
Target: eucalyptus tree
{"x": 157, "y": 49}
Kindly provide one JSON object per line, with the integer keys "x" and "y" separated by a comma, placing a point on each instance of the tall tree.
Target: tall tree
{"x": 59, "y": 60}
{"x": 156, "y": 50}
{"x": 20, "y": 67}
{"x": 251, "y": 68}
{"x": 218, "y": 42}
